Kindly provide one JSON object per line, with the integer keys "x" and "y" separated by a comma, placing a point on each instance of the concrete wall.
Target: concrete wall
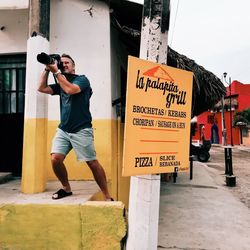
{"x": 14, "y": 4}
{"x": 87, "y": 39}
{"x": 93, "y": 225}
{"x": 86, "y": 36}
{"x": 15, "y": 33}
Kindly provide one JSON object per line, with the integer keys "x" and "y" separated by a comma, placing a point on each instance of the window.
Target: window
{"x": 12, "y": 83}
{"x": 245, "y": 132}
{"x": 210, "y": 119}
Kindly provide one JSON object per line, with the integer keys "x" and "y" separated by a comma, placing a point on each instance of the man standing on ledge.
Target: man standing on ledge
{"x": 75, "y": 128}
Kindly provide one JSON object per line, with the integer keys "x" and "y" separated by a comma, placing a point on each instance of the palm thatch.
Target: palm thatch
{"x": 228, "y": 102}
{"x": 207, "y": 88}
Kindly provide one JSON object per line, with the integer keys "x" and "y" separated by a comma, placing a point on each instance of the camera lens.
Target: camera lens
{"x": 44, "y": 58}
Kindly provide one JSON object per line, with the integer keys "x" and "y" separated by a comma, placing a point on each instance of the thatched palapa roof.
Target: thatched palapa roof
{"x": 207, "y": 88}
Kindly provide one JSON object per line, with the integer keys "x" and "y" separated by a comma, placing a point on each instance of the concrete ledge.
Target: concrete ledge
{"x": 92, "y": 225}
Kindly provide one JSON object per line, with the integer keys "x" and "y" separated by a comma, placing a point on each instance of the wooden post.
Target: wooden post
{"x": 144, "y": 198}
{"x": 35, "y": 116}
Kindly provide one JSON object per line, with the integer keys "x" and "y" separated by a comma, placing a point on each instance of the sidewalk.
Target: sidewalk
{"x": 239, "y": 147}
{"x": 202, "y": 213}
{"x": 10, "y": 192}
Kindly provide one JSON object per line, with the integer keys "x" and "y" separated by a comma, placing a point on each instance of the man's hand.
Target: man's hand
{"x": 47, "y": 69}
{"x": 52, "y": 67}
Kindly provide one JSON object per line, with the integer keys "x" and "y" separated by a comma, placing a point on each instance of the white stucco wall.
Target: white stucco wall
{"x": 14, "y": 4}
{"x": 74, "y": 31}
{"x": 13, "y": 37}
{"x": 87, "y": 39}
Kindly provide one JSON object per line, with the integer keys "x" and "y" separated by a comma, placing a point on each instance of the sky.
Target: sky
{"x": 214, "y": 33}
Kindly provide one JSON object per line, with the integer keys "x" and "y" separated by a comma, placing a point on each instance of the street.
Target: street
{"x": 241, "y": 169}
{"x": 205, "y": 213}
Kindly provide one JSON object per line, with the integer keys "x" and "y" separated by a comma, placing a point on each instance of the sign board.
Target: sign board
{"x": 157, "y": 118}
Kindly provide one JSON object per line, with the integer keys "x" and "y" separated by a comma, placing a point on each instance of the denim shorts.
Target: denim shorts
{"x": 82, "y": 142}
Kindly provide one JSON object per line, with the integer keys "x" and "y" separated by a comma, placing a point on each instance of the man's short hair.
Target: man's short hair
{"x": 68, "y": 56}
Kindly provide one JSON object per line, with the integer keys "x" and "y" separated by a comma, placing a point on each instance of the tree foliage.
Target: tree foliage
{"x": 242, "y": 117}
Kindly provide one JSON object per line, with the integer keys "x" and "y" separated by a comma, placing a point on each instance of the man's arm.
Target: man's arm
{"x": 68, "y": 87}
{"x": 43, "y": 83}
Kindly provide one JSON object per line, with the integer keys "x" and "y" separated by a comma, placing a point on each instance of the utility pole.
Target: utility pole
{"x": 144, "y": 198}
{"x": 230, "y": 104}
{"x": 230, "y": 178}
{"x": 35, "y": 115}
{"x": 224, "y": 135}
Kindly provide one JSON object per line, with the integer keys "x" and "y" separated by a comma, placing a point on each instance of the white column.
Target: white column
{"x": 35, "y": 121}
{"x": 35, "y": 102}
{"x": 144, "y": 197}
{"x": 143, "y": 215}
{"x": 35, "y": 114}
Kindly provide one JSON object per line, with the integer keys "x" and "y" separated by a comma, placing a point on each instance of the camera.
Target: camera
{"x": 50, "y": 59}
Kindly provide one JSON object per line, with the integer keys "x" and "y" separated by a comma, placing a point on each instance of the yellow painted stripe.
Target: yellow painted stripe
{"x": 37, "y": 170}
{"x": 34, "y": 160}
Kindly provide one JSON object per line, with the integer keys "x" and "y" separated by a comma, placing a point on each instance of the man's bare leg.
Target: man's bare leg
{"x": 60, "y": 170}
{"x": 100, "y": 177}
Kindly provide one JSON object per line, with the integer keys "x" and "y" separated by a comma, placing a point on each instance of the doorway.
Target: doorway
{"x": 12, "y": 95}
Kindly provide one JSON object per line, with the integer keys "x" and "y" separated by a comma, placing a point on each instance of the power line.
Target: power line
{"x": 176, "y": 12}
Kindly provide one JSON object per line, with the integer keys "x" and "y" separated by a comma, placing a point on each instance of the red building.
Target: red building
{"x": 212, "y": 120}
